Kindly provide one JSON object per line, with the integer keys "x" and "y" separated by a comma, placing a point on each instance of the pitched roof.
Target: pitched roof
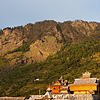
{"x": 85, "y": 81}
{"x": 58, "y": 82}
{"x": 91, "y": 90}
{"x": 49, "y": 89}
{"x": 47, "y": 95}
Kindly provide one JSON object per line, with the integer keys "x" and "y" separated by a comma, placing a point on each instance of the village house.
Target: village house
{"x": 84, "y": 88}
{"x": 85, "y": 85}
{"x": 61, "y": 96}
{"x": 48, "y": 96}
{"x": 60, "y": 86}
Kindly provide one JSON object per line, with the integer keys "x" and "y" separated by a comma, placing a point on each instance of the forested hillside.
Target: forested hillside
{"x": 46, "y": 50}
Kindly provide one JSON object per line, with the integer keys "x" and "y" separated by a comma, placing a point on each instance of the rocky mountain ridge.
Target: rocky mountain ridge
{"x": 35, "y": 42}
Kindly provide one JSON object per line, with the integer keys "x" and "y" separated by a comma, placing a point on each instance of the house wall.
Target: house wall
{"x": 55, "y": 89}
{"x": 82, "y": 87}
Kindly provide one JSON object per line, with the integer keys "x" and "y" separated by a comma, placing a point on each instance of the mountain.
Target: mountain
{"x": 46, "y": 50}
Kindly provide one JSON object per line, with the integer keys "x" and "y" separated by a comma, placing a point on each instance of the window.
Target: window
{"x": 54, "y": 88}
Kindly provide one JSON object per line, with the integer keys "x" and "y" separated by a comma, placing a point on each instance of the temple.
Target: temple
{"x": 85, "y": 85}
{"x": 84, "y": 88}
{"x": 60, "y": 86}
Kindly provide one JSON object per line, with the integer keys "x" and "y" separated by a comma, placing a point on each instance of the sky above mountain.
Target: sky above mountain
{"x": 20, "y": 12}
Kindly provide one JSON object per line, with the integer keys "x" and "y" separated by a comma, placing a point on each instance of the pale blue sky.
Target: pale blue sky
{"x": 20, "y": 12}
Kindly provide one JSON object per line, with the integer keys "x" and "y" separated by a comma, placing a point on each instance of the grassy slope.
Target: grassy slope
{"x": 70, "y": 62}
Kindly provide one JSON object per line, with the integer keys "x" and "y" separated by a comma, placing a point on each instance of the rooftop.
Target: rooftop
{"x": 85, "y": 81}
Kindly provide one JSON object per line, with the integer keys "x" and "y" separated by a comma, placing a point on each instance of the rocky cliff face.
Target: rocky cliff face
{"x": 35, "y": 42}
{"x": 10, "y": 40}
{"x": 41, "y": 49}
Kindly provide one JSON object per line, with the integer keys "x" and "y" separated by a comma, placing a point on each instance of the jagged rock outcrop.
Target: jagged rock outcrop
{"x": 41, "y": 49}
{"x": 10, "y": 40}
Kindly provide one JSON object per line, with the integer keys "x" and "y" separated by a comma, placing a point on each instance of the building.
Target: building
{"x": 60, "y": 86}
{"x": 48, "y": 96}
{"x": 61, "y": 96}
{"x": 85, "y": 85}
{"x": 84, "y": 88}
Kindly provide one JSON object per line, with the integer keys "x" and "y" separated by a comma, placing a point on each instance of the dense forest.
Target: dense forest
{"x": 80, "y": 52}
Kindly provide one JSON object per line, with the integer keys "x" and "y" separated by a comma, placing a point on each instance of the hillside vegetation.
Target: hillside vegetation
{"x": 48, "y": 50}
